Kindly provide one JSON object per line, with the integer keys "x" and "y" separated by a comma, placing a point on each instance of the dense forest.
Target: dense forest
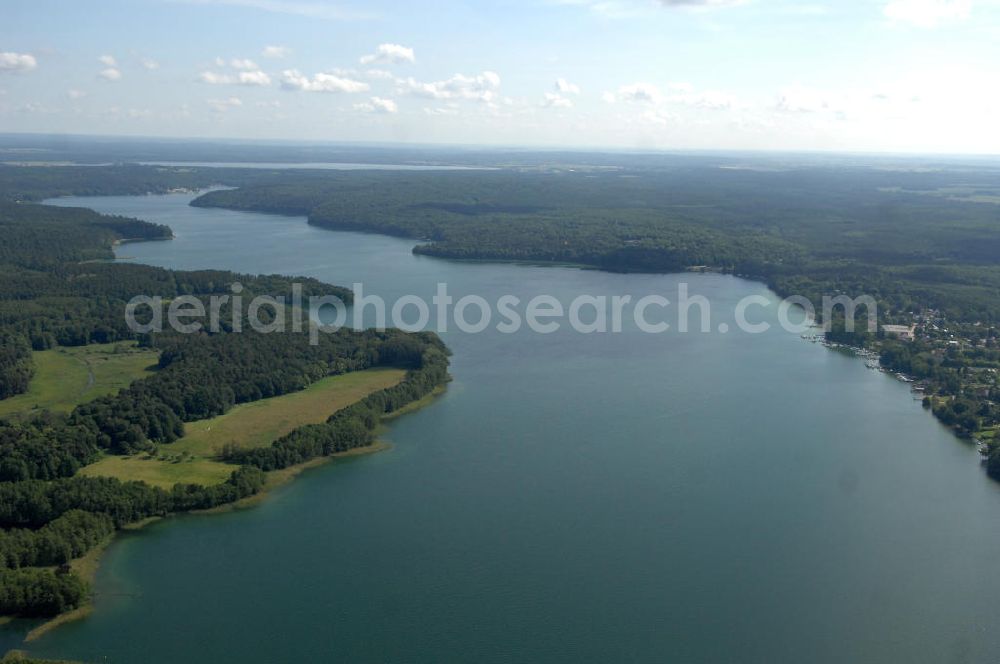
{"x": 889, "y": 233}
{"x": 61, "y": 287}
{"x": 70, "y": 293}
{"x": 33, "y": 184}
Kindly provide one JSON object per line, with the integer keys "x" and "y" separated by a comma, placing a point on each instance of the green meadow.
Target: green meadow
{"x": 66, "y": 377}
{"x": 193, "y": 458}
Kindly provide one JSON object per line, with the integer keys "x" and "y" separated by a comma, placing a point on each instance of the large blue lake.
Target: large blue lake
{"x": 572, "y": 498}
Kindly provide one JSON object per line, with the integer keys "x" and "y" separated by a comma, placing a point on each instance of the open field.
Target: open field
{"x": 193, "y": 457}
{"x": 163, "y": 470}
{"x": 66, "y": 377}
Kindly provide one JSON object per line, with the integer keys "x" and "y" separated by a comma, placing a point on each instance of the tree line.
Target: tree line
{"x": 350, "y": 427}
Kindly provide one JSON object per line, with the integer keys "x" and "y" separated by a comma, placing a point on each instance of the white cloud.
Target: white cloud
{"x": 110, "y": 74}
{"x": 76, "y": 94}
{"x": 565, "y": 87}
{"x": 709, "y": 99}
{"x": 678, "y": 93}
{"x": 17, "y": 61}
{"x": 149, "y": 63}
{"x": 377, "y": 105}
{"x": 482, "y": 87}
{"x": 276, "y": 52}
{"x": 257, "y": 77}
{"x": 554, "y": 100}
{"x": 253, "y": 78}
{"x": 389, "y": 53}
{"x": 639, "y": 92}
{"x": 378, "y": 74}
{"x": 242, "y": 63}
{"x": 927, "y": 13}
{"x": 293, "y": 79}
{"x": 108, "y": 61}
{"x": 214, "y": 78}
{"x": 222, "y": 105}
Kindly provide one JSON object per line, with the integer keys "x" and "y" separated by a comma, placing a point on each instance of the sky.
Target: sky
{"x": 844, "y": 75}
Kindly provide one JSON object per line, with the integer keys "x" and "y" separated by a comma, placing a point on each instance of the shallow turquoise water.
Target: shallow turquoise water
{"x": 572, "y": 498}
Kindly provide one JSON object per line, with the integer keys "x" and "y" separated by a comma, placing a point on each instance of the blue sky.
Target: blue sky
{"x": 859, "y": 75}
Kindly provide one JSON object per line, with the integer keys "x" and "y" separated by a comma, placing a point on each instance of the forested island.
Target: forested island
{"x": 62, "y": 290}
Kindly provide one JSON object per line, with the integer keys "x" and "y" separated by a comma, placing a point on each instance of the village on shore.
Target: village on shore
{"x": 953, "y": 368}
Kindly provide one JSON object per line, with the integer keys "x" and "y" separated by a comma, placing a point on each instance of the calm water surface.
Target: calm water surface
{"x": 572, "y": 498}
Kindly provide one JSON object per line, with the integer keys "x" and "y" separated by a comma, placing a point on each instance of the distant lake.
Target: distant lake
{"x": 572, "y": 498}
{"x": 319, "y": 165}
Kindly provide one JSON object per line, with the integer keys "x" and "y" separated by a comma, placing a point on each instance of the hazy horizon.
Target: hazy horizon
{"x": 88, "y": 140}
{"x": 864, "y": 76}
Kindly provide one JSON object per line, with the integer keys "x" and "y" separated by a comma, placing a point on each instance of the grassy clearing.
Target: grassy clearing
{"x": 67, "y": 377}
{"x": 160, "y": 470}
{"x": 193, "y": 457}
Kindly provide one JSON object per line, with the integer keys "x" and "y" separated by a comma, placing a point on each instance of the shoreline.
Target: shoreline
{"x": 130, "y": 240}
{"x": 867, "y": 355}
{"x": 88, "y": 565}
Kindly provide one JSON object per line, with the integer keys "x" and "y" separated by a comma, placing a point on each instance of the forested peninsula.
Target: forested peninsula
{"x": 60, "y": 288}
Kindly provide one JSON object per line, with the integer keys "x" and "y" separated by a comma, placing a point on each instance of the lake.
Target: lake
{"x": 699, "y": 497}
